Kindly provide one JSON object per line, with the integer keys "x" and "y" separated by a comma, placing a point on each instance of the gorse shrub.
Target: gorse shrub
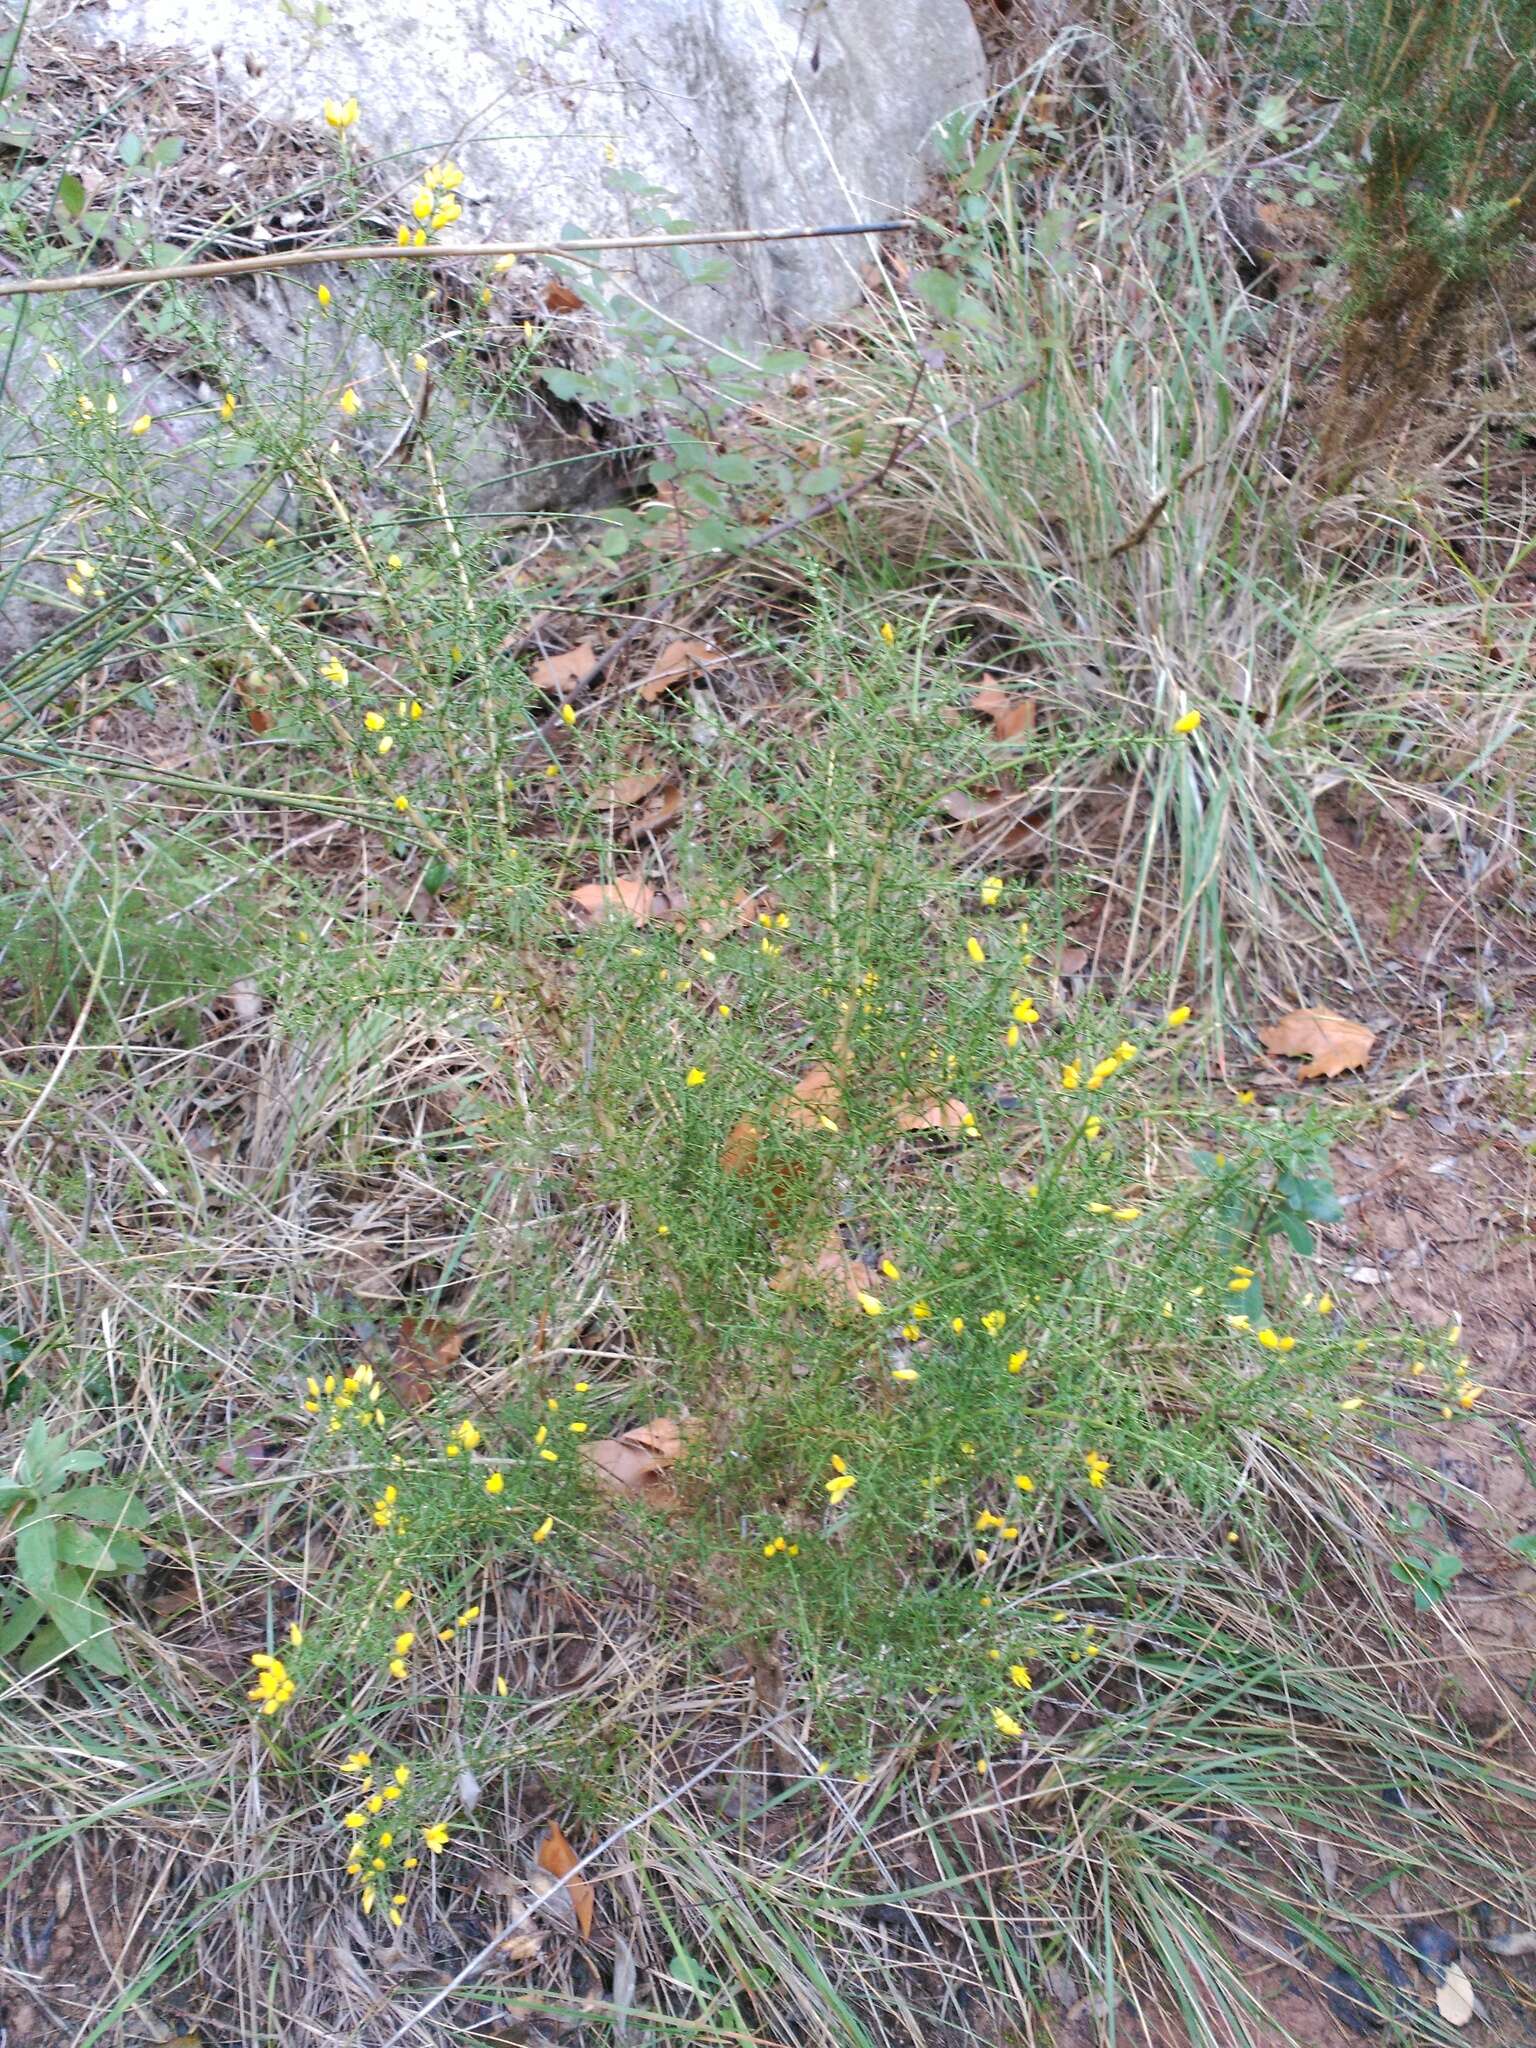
{"x": 1437, "y": 103}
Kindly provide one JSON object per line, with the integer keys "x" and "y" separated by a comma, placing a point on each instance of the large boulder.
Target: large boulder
{"x": 750, "y": 113}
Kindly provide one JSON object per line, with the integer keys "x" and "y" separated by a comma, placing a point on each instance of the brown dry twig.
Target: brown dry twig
{"x": 427, "y": 252}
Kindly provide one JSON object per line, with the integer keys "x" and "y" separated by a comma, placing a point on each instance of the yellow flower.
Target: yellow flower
{"x": 295, "y": 1635}
{"x": 976, "y": 950}
{"x": 1356, "y": 1401}
{"x": 494, "y": 1482}
{"x": 1071, "y": 1075}
{"x": 333, "y": 672}
{"x": 1471, "y": 1395}
{"x": 227, "y": 408}
{"x": 323, "y": 296}
{"x": 1017, "y": 1360}
{"x": 1024, "y": 1012}
{"x": 695, "y": 1077}
{"x": 350, "y": 403}
{"x": 398, "y": 1668}
{"x": 374, "y": 720}
{"x": 142, "y": 424}
{"x": 403, "y": 1641}
{"x": 1023, "y": 1482}
{"x": 1096, "y": 1466}
{"x": 403, "y": 1599}
{"x": 957, "y": 1324}
{"x": 1325, "y": 1304}
{"x": 340, "y": 113}
{"x": 469, "y": 1436}
{"x": 991, "y": 890}
{"x": 1019, "y": 1673}
{"x": 568, "y": 714}
{"x": 890, "y": 1270}
{"x": 903, "y": 1372}
{"x": 1179, "y": 1016}
{"x": 887, "y": 632}
{"x": 993, "y": 1321}
{"x": 838, "y": 1485}
{"x": 1188, "y": 723}
{"x": 1126, "y": 1215}
{"x": 869, "y": 1304}
{"x": 436, "y": 1836}
{"x": 402, "y": 803}
{"x": 1005, "y": 1724}
{"x": 354, "y": 1821}
{"x": 543, "y": 1530}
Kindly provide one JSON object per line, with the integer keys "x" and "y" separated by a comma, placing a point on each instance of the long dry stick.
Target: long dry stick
{"x": 427, "y": 252}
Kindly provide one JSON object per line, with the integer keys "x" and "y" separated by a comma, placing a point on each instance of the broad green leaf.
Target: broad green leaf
{"x": 113, "y": 1505}
{"x": 94, "y": 1552}
{"x": 130, "y": 148}
{"x": 940, "y": 290}
{"x": 83, "y": 1622}
{"x": 19, "y": 1624}
{"x": 37, "y": 1554}
{"x": 72, "y": 194}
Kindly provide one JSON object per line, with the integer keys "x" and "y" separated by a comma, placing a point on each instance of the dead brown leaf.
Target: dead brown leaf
{"x": 631, "y": 789}
{"x": 250, "y": 692}
{"x": 738, "y": 1154}
{"x": 1329, "y": 1043}
{"x": 559, "y": 298}
{"x": 556, "y": 675}
{"x": 829, "y": 1270}
{"x": 665, "y": 805}
{"x": 913, "y": 1114}
{"x": 676, "y": 660}
{"x": 815, "y": 1101}
{"x": 628, "y": 897}
{"x": 556, "y": 1855}
{"x": 421, "y": 1358}
{"x": 641, "y": 1460}
{"x": 1012, "y": 714}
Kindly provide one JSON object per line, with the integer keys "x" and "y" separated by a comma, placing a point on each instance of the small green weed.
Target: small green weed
{"x": 63, "y": 1538}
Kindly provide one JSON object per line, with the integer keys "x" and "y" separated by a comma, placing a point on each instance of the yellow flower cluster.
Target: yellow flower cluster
{"x": 375, "y": 1833}
{"x": 780, "y": 1546}
{"x": 355, "y": 1395}
{"x": 434, "y": 206}
{"x": 274, "y": 1688}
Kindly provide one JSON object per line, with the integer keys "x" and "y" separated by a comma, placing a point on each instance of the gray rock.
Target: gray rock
{"x": 753, "y": 113}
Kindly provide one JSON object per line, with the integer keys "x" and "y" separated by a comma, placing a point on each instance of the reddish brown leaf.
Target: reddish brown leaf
{"x": 421, "y": 1358}
{"x": 556, "y": 1856}
{"x": 1329, "y": 1043}
{"x": 913, "y": 1114}
{"x": 676, "y": 660}
{"x": 628, "y": 897}
{"x": 1012, "y": 714}
{"x": 556, "y": 675}
{"x": 559, "y": 298}
{"x": 1071, "y": 960}
{"x": 739, "y": 1152}
{"x": 250, "y": 692}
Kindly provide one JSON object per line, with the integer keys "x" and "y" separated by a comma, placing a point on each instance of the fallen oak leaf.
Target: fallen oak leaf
{"x": 657, "y": 814}
{"x": 559, "y": 298}
{"x": 1329, "y": 1043}
{"x": 556, "y": 1856}
{"x": 629, "y": 790}
{"x": 1012, "y": 715}
{"x": 628, "y": 897}
{"x": 830, "y": 1271}
{"x": 422, "y": 1355}
{"x": 676, "y": 660}
{"x": 640, "y": 1461}
{"x": 914, "y": 1114}
{"x": 816, "y": 1101}
{"x": 556, "y": 675}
